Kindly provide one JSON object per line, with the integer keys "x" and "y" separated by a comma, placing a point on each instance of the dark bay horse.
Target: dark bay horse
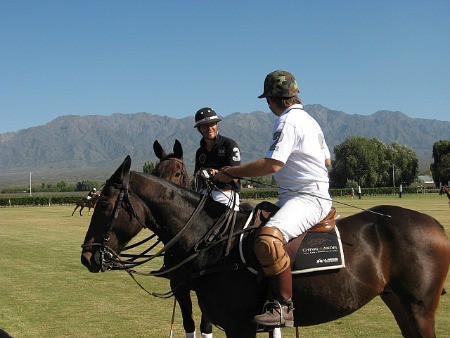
{"x": 84, "y": 202}
{"x": 401, "y": 255}
{"x": 445, "y": 190}
{"x": 172, "y": 168}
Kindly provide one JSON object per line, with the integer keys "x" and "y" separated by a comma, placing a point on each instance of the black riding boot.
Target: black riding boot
{"x": 279, "y": 312}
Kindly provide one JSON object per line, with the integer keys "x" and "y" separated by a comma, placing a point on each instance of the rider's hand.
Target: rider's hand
{"x": 213, "y": 172}
{"x": 222, "y": 177}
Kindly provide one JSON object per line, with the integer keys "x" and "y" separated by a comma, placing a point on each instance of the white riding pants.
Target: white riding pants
{"x": 224, "y": 197}
{"x": 300, "y": 212}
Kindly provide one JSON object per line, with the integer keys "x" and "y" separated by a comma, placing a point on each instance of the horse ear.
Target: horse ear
{"x": 159, "y": 151}
{"x": 122, "y": 171}
{"x": 178, "y": 149}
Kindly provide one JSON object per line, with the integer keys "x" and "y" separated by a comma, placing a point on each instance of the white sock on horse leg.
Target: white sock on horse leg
{"x": 207, "y": 335}
{"x": 276, "y": 332}
{"x": 190, "y": 335}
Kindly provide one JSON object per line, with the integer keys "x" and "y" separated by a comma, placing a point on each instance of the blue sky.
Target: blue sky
{"x": 174, "y": 57}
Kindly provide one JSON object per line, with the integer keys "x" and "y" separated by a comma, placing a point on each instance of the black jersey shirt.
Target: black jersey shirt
{"x": 225, "y": 152}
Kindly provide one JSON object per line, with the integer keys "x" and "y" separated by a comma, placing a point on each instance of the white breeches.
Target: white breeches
{"x": 298, "y": 213}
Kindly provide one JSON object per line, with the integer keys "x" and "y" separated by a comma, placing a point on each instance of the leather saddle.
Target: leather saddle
{"x": 265, "y": 210}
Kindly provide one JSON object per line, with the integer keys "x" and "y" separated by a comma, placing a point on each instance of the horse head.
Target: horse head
{"x": 171, "y": 166}
{"x": 131, "y": 201}
{"x": 102, "y": 239}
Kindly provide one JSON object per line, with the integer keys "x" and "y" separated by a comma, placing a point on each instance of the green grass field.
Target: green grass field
{"x": 46, "y": 292}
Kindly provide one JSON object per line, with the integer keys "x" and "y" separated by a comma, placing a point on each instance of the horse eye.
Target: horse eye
{"x": 177, "y": 174}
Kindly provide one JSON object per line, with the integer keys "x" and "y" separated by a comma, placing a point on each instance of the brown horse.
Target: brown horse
{"x": 84, "y": 202}
{"x": 171, "y": 167}
{"x": 445, "y": 190}
{"x": 401, "y": 255}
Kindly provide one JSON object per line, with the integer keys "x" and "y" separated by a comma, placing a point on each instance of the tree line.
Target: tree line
{"x": 60, "y": 186}
{"x": 373, "y": 163}
{"x": 358, "y": 161}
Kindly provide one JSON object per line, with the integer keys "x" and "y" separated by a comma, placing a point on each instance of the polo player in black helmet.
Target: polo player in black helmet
{"x": 216, "y": 152}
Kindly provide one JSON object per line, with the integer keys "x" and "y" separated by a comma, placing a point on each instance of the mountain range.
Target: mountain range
{"x": 74, "y": 148}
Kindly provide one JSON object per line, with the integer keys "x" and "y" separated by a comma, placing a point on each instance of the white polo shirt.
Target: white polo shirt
{"x": 299, "y": 143}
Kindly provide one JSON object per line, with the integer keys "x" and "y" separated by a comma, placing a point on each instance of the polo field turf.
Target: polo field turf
{"x": 46, "y": 292}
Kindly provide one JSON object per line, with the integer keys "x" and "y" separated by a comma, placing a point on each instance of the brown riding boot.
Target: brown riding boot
{"x": 279, "y": 312}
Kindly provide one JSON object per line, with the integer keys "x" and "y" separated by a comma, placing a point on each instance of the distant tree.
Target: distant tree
{"x": 149, "y": 167}
{"x": 440, "y": 169}
{"x": 358, "y": 159}
{"x": 372, "y": 163}
{"x": 273, "y": 182}
{"x": 85, "y": 185}
{"x": 61, "y": 186}
{"x": 406, "y": 164}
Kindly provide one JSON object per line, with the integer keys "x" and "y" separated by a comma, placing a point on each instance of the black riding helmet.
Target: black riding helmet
{"x": 204, "y": 116}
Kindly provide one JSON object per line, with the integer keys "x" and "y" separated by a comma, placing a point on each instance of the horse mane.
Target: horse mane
{"x": 170, "y": 186}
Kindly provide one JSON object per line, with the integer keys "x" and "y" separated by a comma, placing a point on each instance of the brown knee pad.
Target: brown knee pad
{"x": 270, "y": 252}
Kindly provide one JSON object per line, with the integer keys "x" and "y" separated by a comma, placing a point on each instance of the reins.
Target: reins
{"x": 309, "y": 194}
{"x": 131, "y": 262}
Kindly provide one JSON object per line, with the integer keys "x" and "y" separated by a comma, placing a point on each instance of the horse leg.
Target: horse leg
{"x": 402, "y": 316}
{"x": 413, "y": 319}
{"x": 75, "y": 209}
{"x": 183, "y": 297}
{"x": 82, "y": 207}
{"x": 275, "y": 333}
{"x": 414, "y": 298}
{"x": 206, "y": 327}
{"x": 242, "y": 331}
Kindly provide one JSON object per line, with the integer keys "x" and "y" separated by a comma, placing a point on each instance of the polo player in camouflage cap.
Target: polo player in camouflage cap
{"x": 297, "y": 159}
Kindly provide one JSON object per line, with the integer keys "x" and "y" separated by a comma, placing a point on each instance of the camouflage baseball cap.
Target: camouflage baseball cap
{"x": 280, "y": 84}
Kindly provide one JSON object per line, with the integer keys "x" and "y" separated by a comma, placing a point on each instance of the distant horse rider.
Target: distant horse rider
{"x": 91, "y": 194}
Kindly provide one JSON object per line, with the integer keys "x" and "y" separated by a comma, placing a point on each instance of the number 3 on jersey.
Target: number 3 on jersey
{"x": 236, "y": 154}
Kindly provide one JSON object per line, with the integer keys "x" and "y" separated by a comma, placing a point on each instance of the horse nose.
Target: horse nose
{"x": 88, "y": 260}
{"x": 85, "y": 259}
